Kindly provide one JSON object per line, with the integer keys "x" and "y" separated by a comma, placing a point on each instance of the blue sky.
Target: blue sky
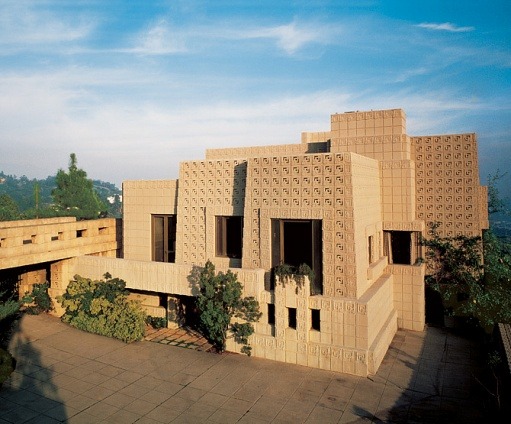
{"x": 135, "y": 87}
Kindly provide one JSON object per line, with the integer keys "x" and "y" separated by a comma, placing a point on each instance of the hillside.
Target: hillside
{"x": 23, "y": 191}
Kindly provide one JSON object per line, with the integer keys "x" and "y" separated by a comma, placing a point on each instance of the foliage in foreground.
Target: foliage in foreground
{"x": 220, "y": 300}
{"x": 285, "y": 272}
{"x": 102, "y": 307}
{"x": 470, "y": 286}
{"x": 8, "y": 309}
{"x": 6, "y": 365}
{"x": 38, "y": 300}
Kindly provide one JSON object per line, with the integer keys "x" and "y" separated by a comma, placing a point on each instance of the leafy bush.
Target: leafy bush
{"x": 39, "y": 300}
{"x": 8, "y": 310}
{"x": 285, "y": 271}
{"x": 156, "y": 322}
{"x": 102, "y": 307}
{"x": 7, "y": 365}
{"x": 218, "y": 301}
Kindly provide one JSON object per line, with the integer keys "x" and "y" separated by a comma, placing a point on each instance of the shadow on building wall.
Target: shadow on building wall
{"x": 29, "y": 394}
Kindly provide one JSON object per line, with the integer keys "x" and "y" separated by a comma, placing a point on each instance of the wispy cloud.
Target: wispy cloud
{"x": 293, "y": 36}
{"x": 158, "y": 39}
{"x": 22, "y": 26}
{"x": 446, "y": 26}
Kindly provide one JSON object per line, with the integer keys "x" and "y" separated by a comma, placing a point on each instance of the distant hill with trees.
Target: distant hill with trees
{"x": 32, "y": 198}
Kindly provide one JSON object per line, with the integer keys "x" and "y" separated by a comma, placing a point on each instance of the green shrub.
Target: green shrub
{"x": 8, "y": 307}
{"x": 285, "y": 272}
{"x": 156, "y": 322}
{"x": 7, "y": 365}
{"x": 218, "y": 301}
{"x": 102, "y": 307}
{"x": 38, "y": 300}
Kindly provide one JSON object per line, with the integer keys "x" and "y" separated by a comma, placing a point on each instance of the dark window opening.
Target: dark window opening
{"x": 229, "y": 236}
{"x": 291, "y": 317}
{"x": 27, "y": 241}
{"x": 401, "y": 247}
{"x": 54, "y": 238}
{"x": 297, "y": 242}
{"x": 316, "y": 319}
{"x": 271, "y": 314}
{"x": 164, "y": 238}
{"x": 80, "y": 233}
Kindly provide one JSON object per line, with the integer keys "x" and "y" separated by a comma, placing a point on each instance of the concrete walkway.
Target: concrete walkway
{"x": 66, "y": 375}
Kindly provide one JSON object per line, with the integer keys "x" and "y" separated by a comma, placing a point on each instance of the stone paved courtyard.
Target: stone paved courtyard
{"x": 66, "y": 375}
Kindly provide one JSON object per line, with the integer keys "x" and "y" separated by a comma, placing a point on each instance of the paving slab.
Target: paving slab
{"x": 66, "y": 375}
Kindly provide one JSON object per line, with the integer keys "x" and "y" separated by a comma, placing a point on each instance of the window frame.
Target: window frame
{"x": 225, "y": 244}
{"x": 168, "y": 238}
{"x": 278, "y": 248}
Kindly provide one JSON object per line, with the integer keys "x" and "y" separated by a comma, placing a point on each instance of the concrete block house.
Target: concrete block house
{"x": 350, "y": 202}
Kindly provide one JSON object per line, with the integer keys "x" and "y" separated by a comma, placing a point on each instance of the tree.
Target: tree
{"x": 495, "y": 202}
{"x": 75, "y": 194}
{"x": 473, "y": 274}
{"x": 219, "y": 300}
{"x": 9, "y": 210}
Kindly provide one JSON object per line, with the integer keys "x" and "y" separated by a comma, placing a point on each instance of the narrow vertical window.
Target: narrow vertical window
{"x": 315, "y": 319}
{"x": 370, "y": 249}
{"x": 271, "y": 314}
{"x": 291, "y": 317}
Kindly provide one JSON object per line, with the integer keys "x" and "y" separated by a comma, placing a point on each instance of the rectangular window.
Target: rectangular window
{"x": 370, "y": 249}
{"x": 401, "y": 247}
{"x": 229, "y": 236}
{"x": 315, "y": 319}
{"x": 164, "y": 238}
{"x": 296, "y": 242}
{"x": 291, "y": 317}
{"x": 81, "y": 233}
{"x": 271, "y": 314}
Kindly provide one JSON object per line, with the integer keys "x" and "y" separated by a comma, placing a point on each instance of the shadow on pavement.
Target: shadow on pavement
{"x": 29, "y": 395}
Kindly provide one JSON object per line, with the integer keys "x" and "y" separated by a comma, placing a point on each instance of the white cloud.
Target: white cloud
{"x": 158, "y": 39}
{"x": 22, "y": 25}
{"x": 48, "y": 116}
{"x": 446, "y": 26}
{"x": 293, "y": 36}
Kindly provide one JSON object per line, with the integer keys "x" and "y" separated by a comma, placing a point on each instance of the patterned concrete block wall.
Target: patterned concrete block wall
{"x": 208, "y": 189}
{"x": 447, "y": 184}
{"x": 257, "y": 151}
{"x": 142, "y": 199}
{"x": 304, "y": 187}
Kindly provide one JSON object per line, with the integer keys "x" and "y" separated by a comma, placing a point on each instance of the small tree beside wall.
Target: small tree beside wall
{"x": 219, "y": 301}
